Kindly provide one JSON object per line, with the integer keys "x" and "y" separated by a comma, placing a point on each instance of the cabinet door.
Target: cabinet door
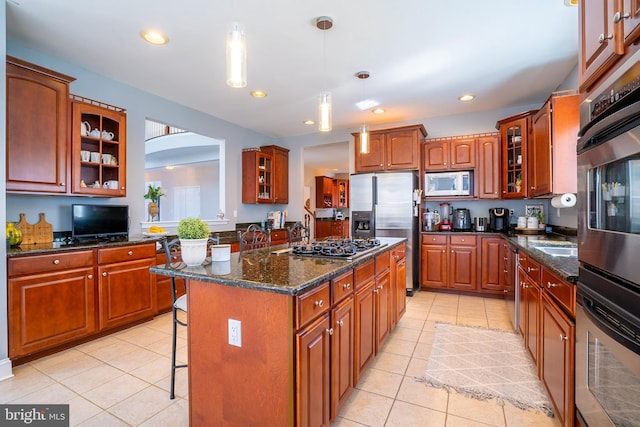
{"x": 433, "y": 268}
{"x": 323, "y": 229}
{"x": 514, "y": 136}
{"x": 125, "y": 292}
{"x": 342, "y": 186}
{"x": 312, "y": 379}
{"x": 558, "y": 360}
{"x": 600, "y": 40}
{"x": 435, "y": 156}
{"x": 382, "y": 293}
{"x": 403, "y": 150}
{"x": 89, "y": 176}
{"x": 539, "y": 152}
{"x": 365, "y": 329}
{"x": 631, "y": 10}
{"x": 46, "y": 310}
{"x": 280, "y": 174}
{"x": 492, "y": 264}
{"x": 342, "y": 342}
{"x": 462, "y": 153}
{"x": 462, "y": 268}
{"x": 532, "y": 302}
{"x": 257, "y": 177}
{"x": 372, "y": 161}
{"x": 488, "y": 168}
{"x": 522, "y": 303}
{"x": 37, "y": 129}
{"x": 400, "y": 271}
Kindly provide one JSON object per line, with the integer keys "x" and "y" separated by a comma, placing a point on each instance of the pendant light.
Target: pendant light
{"x": 324, "y": 105}
{"x": 236, "y": 57}
{"x": 364, "y": 131}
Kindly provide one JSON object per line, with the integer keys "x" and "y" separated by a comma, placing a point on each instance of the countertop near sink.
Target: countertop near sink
{"x": 564, "y": 267}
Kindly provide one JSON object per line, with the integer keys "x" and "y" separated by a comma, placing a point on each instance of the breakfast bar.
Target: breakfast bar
{"x": 309, "y": 326}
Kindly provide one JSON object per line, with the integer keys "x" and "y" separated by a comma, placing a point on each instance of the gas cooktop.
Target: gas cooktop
{"x": 338, "y": 248}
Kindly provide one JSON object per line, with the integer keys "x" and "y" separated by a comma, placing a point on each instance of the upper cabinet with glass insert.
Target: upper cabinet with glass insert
{"x": 514, "y": 134}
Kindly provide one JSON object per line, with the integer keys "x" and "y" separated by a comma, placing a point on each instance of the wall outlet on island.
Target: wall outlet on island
{"x": 235, "y": 332}
{"x": 511, "y": 213}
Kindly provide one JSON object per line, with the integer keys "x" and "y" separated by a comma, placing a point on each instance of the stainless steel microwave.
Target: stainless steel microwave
{"x": 453, "y": 183}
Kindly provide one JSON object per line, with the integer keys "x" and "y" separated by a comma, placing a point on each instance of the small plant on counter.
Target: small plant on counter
{"x": 193, "y": 228}
{"x": 154, "y": 193}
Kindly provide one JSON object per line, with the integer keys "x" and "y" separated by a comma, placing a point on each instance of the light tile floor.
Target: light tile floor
{"x": 122, "y": 379}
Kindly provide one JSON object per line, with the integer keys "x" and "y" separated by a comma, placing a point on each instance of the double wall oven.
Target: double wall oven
{"x": 608, "y": 311}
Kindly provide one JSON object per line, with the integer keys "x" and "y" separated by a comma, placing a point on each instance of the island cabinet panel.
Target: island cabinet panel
{"x": 342, "y": 342}
{"x": 398, "y": 283}
{"x": 384, "y": 312}
{"x": 252, "y": 385}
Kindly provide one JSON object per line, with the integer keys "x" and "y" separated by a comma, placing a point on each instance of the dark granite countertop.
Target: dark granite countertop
{"x": 263, "y": 270}
{"x": 54, "y": 247}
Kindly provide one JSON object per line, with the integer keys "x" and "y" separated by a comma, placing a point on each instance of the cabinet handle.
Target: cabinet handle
{"x": 340, "y": 323}
{"x": 90, "y": 276}
{"x": 602, "y": 38}
{"x": 380, "y": 286}
{"x": 346, "y": 285}
{"x": 130, "y": 253}
{"x": 330, "y": 331}
{"x": 530, "y": 269}
{"x": 104, "y": 274}
{"x": 552, "y": 285}
{"x": 505, "y": 271}
{"x": 375, "y": 291}
{"x": 505, "y": 291}
{"x": 319, "y": 303}
{"x": 618, "y": 17}
{"x": 56, "y": 261}
{"x": 563, "y": 337}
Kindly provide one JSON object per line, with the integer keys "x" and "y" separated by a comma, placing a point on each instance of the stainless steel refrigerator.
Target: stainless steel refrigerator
{"x": 390, "y": 198}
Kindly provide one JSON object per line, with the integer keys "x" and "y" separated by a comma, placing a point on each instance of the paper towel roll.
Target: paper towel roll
{"x": 567, "y": 200}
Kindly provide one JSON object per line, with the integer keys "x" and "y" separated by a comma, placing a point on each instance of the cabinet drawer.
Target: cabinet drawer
{"x": 532, "y": 268}
{"x": 341, "y": 287}
{"x": 382, "y": 262}
{"x": 126, "y": 253}
{"x": 463, "y": 240}
{"x": 279, "y": 237}
{"x": 433, "y": 239}
{"x": 312, "y": 304}
{"x": 364, "y": 273}
{"x": 562, "y": 292}
{"x": 47, "y": 263}
{"x": 399, "y": 252}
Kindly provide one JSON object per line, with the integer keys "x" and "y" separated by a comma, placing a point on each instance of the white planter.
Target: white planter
{"x": 193, "y": 251}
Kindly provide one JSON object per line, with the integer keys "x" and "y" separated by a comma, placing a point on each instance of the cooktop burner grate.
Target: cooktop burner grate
{"x": 337, "y": 248}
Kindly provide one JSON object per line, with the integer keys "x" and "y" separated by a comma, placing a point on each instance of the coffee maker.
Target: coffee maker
{"x": 498, "y": 219}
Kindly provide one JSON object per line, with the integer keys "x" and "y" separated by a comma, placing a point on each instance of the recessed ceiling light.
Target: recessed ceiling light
{"x": 309, "y": 122}
{"x": 258, "y": 93}
{"x": 366, "y": 104}
{"x": 169, "y": 167}
{"x": 467, "y": 97}
{"x": 378, "y": 111}
{"x": 154, "y": 37}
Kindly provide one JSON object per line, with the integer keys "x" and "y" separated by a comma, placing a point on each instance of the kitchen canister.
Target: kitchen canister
{"x": 220, "y": 252}
{"x": 532, "y": 222}
{"x": 522, "y": 222}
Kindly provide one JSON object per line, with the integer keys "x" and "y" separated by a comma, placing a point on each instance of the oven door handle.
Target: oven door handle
{"x": 624, "y": 337}
{"x": 608, "y": 127}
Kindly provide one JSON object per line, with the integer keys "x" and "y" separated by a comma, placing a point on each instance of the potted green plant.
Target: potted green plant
{"x": 153, "y": 195}
{"x": 194, "y": 234}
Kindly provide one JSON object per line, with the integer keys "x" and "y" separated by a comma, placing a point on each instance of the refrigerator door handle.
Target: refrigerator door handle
{"x": 374, "y": 189}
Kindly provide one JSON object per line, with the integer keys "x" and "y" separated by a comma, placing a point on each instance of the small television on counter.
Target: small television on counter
{"x": 99, "y": 222}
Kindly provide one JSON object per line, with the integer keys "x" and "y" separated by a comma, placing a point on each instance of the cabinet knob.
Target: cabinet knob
{"x": 533, "y": 187}
{"x": 130, "y": 253}
{"x": 452, "y": 251}
{"x": 462, "y": 240}
{"x": 453, "y": 163}
{"x": 90, "y": 276}
{"x": 330, "y": 331}
{"x": 443, "y": 251}
{"x": 618, "y": 17}
{"x": 375, "y": 291}
{"x": 340, "y": 323}
{"x": 380, "y": 286}
{"x": 563, "y": 337}
{"x": 56, "y": 261}
{"x": 505, "y": 271}
{"x": 319, "y": 303}
{"x": 552, "y": 285}
{"x": 346, "y": 285}
{"x": 433, "y": 239}
{"x": 61, "y": 184}
{"x": 602, "y": 38}
{"x": 104, "y": 274}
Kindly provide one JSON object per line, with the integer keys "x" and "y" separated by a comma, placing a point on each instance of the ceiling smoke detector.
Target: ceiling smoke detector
{"x": 324, "y": 23}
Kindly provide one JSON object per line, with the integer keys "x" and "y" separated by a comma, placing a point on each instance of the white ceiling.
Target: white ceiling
{"x": 422, "y": 54}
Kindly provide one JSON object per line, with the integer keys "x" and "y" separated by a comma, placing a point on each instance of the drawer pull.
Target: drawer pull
{"x": 552, "y": 285}
{"x": 619, "y": 17}
{"x": 505, "y": 271}
{"x": 104, "y": 274}
{"x": 130, "y": 253}
{"x": 346, "y": 286}
{"x": 90, "y": 276}
{"x": 521, "y": 259}
{"x": 319, "y": 303}
{"x": 602, "y": 38}
{"x": 56, "y": 261}
{"x": 530, "y": 269}
{"x": 340, "y": 323}
{"x": 330, "y": 331}
{"x": 375, "y": 291}
{"x": 462, "y": 240}
{"x": 563, "y": 337}
{"x": 380, "y": 286}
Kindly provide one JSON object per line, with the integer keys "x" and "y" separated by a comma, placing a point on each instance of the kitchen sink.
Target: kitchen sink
{"x": 559, "y": 251}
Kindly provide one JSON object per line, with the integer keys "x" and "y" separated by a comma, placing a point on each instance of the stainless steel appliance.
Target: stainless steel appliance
{"x": 498, "y": 219}
{"x": 480, "y": 223}
{"x": 348, "y": 249}
{"x": 607, "y": 320}
{"x": 462, "y": 219}
{"x": 362, "y": 224}
{"x": 445, "y": 184}
{"x": 389, "y": 196}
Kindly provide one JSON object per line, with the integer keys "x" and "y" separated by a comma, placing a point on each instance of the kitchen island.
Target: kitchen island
{"x": 309, "y": 326}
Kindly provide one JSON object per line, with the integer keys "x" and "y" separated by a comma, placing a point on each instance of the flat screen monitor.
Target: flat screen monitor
{"x": 99, "y": 221}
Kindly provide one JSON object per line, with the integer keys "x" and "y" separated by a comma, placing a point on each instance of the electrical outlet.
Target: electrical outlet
{"x": 511, "y": 212}
{"x": 235, "y": 332}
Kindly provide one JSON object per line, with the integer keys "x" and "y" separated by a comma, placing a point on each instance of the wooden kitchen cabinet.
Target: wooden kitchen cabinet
{"x": 382, "y": 291}
{"x": 51, "y": 301}
{"x": 551, "y": 154}
{"x": 390, "y": 149}
{"x": 110, "y": 140}
{"x": 488, "y": 170}
{"x": 332, "y": 228}
{"x": 434, "y": 261}
{"x": 492, "y": 264}
{"x": 257, "y": 177}
{"x": 324, "y": 192}
{"x": 342, "y": 343}
{"x": 514, "y": 134}
{"x": 557, "y": 359}
{"x": 463, "y": 263}
{"x": 126, "y": 290}
{"x": 631, "y": 21}
{"x": 341, "y": 197}
{"x": 398, "y": 282}
{"x": 280, "y": 158}
{"x": 365, "y": 318}
{"x": 449, "y": 262}
{"x": 441, "y": 154}
{"x": 37, "y": 145}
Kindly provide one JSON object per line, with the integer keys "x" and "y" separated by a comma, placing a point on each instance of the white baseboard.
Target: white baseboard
{"x": 5, "y": 369}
